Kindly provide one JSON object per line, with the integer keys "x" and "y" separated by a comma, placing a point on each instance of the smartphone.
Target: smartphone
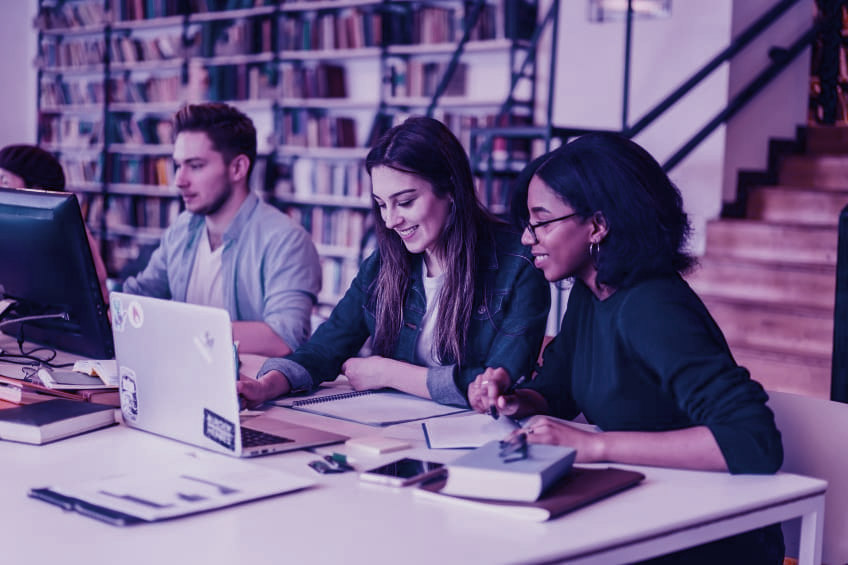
{"x": 403, "y": 472}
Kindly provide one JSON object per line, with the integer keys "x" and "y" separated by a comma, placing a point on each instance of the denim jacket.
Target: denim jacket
{"x": 511, "y": 303}
{"x": 271, "y": 269}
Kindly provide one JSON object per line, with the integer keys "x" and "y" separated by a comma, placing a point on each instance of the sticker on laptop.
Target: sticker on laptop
{"x": 135, "y": 314}
{"x": 204, "y": 345}
{"x": 129, "y": 396}
{"x": 218, "y": 429}
{"x": 119, "y": 315}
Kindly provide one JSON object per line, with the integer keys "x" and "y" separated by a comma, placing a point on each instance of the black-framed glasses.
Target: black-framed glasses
{"x": 514, "y": 449}
{"x": 533, "y": 227}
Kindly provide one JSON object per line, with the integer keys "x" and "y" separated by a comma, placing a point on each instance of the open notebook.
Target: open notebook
{"x": 375, "y": 407}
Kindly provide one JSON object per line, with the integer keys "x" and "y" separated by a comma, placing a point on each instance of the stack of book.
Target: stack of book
{"x": 537, "y": 483}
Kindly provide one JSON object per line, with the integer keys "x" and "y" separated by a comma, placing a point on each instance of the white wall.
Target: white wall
{"x": 782, "y": 106}
{"x": 17, "y": 100}
{"x": 665, "y": 52}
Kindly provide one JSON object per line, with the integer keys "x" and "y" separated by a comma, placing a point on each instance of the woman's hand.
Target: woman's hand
{"x": 253, "y": 392}
{"x": 487, "y": 391}
{"x": 544, "y": 429}
{"x": 366, "y": 373}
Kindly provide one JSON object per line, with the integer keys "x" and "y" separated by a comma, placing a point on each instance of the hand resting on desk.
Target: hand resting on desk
{"x": 253, "y": 392}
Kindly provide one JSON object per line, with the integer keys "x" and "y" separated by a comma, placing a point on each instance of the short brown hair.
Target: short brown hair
{"x": 231, "y": 132}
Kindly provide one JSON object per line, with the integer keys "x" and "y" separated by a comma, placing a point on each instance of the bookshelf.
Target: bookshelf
{"x": 320, "y": 78}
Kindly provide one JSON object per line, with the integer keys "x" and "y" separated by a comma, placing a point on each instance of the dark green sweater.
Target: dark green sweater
{"x": 651, "y": 358}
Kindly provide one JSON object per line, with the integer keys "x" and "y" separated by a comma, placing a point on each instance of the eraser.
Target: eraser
{"x": 376, "y": 445}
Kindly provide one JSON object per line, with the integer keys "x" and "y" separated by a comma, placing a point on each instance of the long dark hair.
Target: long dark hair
{"x": 608, "y": 173}
{"x": 426, "y": 148}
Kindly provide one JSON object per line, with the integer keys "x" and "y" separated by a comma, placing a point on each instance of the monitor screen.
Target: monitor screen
{"x": 46, "y": 268}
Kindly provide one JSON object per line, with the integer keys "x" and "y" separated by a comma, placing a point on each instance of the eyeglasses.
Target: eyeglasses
{"x": 533, "y": 227}
{"x": 514, "y": 449}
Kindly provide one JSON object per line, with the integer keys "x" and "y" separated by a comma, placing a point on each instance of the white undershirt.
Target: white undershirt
{"x": 205, "y": 286}
{"x": 424, "y": 354}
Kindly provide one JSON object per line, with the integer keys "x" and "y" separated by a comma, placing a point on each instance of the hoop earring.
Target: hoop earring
{"x": 595, "y": 252}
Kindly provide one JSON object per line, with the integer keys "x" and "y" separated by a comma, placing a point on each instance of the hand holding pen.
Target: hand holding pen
{"x": 493, "y": 409}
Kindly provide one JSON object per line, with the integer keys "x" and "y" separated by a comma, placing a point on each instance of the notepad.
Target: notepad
{"x": 184, "y": 486}
{"x": 375, "y": 407}
{"x": 466, "y": 430}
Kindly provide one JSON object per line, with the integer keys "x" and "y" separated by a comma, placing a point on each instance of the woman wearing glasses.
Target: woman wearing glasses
{"x": 638, "y": 354}
{"x": 449, "y": 291}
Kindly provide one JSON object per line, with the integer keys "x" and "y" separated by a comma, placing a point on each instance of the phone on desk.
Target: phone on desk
{"x": 403, "y": 472}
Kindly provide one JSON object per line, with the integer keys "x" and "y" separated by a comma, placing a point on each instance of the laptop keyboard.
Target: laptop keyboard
{"x": 254, "y": 438}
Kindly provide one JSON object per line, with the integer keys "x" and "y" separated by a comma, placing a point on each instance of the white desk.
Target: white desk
{"x": 344, "y": 521}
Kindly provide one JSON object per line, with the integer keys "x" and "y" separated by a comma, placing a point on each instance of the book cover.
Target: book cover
{"x": 580, "y": 487}
{"x": 486, "y": 473}
{"x": 52, "y": 420}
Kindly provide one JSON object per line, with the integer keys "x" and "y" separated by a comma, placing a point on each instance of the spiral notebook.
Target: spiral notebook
{"x": 375, "y": 407}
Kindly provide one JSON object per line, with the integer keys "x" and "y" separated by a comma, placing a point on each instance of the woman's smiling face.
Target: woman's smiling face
{"x": 409, "y": 206}
{"x": 560, "y": 248}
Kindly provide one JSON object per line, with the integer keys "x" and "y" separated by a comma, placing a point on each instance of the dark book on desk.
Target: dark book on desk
{"x": 55, "y": 419}
{"x": 489, "y": 472}
{"x": 581, "y": 486}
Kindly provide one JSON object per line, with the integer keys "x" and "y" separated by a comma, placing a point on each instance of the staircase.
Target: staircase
{"x": 769, "y": 278}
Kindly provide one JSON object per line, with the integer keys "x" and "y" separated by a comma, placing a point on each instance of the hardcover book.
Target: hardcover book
{"x": 487, "y": 472}
{"x": 581, "y": 486}
{"x": 55, "y": 419}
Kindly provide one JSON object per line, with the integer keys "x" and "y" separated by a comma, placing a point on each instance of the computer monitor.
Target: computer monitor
{"x": 46, "y": 270}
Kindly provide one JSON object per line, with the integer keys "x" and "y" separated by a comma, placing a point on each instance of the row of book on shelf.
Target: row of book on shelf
{"x": 128, "y": 211}
{"x": 336, "y": 275}
{"x": 343, "y": 227}
{"x": 310, "y": 177}
{"x": 351, "y": 28}
{"x": 73, "y": 15}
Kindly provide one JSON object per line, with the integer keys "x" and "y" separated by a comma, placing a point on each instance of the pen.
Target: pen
{"x": 493, "y": 410}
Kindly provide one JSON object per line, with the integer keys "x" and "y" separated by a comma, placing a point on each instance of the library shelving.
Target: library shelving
{"x": 320, "y": 78}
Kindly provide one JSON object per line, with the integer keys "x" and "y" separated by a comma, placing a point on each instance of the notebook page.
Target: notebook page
{"x": 379, "y": 408}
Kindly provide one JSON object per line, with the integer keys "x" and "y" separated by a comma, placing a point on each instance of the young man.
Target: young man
{"x": 228, "y": 248}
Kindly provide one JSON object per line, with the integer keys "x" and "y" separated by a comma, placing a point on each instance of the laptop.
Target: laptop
{"x": 177, "y": 370}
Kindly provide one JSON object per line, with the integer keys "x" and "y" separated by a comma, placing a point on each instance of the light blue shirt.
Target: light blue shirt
{"x": 270, "y": 268}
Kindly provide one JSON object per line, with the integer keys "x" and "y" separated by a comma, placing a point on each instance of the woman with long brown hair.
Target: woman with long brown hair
{"x": 449, "y": 291}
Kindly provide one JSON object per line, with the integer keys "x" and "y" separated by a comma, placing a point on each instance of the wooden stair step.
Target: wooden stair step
{"x": 821, "y": 171}
{"x": 793, "y": 205}
{"x": 807, "y": 286}
{"x": 827, "y": 139}
{"x": 805, "y": 375}
{"x": 760, "y": 241}
{"x": 802, "y": 331}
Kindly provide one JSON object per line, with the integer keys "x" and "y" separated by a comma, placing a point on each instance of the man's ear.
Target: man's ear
{"x": 600, "y": 227}
{"x": 238, "y": 167}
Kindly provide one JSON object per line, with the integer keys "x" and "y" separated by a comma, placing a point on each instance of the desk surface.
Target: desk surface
{"x": 343, "y": 520}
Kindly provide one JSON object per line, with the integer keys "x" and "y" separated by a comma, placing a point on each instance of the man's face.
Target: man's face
{"x": 201, "y": 175}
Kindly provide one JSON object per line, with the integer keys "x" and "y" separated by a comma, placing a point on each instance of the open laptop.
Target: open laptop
{"x": 177, "y": 372}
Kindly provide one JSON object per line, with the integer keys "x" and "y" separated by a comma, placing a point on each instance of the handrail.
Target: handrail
{"x": 454, "y": 60}
{"x": 739, "y": 101}
{"x": 740, "y": 42}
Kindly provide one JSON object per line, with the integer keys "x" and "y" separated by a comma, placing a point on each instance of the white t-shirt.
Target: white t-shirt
{"x": 205, "y": 285}
{"x": 424, "y": 354}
